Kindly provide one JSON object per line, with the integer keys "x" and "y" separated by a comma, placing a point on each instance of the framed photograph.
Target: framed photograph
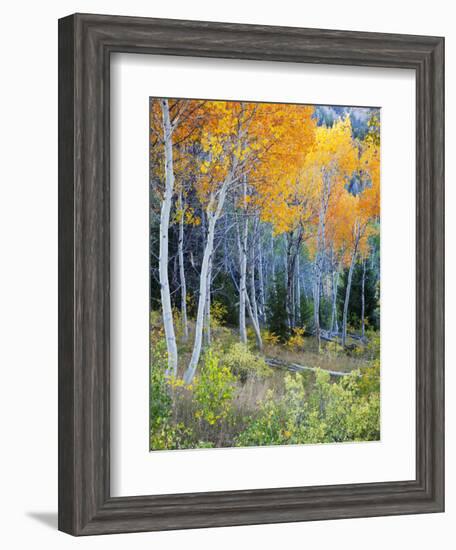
{"x": 251, "y": 274}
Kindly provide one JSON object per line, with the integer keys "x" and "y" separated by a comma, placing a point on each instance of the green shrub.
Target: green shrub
{"x": 163, "y": 433}
{"x": 327, "y": 412}
{"x": 218, "y": 314}
{"x": 269, "y": 338}
{"x": 296, "y": 340}
{"x": 204, "y": 445}
{"x": 244, "y": 363}
{"x": 213, "y": 390}
{"x": 369, "y": 382}
{"x": 269, "y": 428}
{"x": 373, "y": 344}
{"x": 160, "y": 398}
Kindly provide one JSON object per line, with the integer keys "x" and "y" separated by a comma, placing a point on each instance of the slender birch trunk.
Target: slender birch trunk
{"x": 298, "y": 290}
{"x": 293, "y": 244}
{"x": 253, "y": 299}
{"x": 289, "y": 279}
{"x": 213, "y": 212}
{"x": 293, "y": 299}
{"x": 363, "y": 282}
{"x": 243, "y": 286}
{"x": 317, "y": 284}
{"x": 255, "y": 324}
{"x": 273, "y": 271}
{"x": 167, "y": 311}
{"x": 261, "y": 282}
{"x": 316, "y": 298}
{"x": 242, "y": 245}
{"x": 335, "y": 284}
{"x": 319, "y": 258}
{"x": 348, "y": 289}
{"x": 253, "y": 293}
{"x": 207, "y": 313}
{"x": 191, "y": 369}
{"x": 183, "y": 283}
{"x": 347, "y": 299}
{"x": 226, "y": 255}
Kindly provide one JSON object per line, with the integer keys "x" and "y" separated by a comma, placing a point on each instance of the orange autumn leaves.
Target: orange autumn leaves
{"x": 288, "y": 161}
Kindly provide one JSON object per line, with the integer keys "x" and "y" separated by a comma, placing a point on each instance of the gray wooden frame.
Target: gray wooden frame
{"x": 85, "y": 45}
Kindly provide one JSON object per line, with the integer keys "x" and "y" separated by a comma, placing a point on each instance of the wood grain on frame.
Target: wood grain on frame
{"x": 85, "y": 44}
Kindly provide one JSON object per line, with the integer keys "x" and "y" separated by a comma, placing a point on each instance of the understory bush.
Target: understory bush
{"x": 242, "y": 362}
{"x": 164, "y": 432}
{"x": 296, "y": 340}
{"x": 160, "y": 398}
{"x": 213, "y": 390}
{"x": 269, "y": 337}
{"x": 330, "y": 412}
{"x": 236, "y": 399}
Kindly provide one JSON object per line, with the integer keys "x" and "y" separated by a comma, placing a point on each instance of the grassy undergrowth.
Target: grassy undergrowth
{"x": 236, "y": 399}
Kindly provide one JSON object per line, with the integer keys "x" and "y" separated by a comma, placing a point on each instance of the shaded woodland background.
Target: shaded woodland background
{"x": 264, "y": 273}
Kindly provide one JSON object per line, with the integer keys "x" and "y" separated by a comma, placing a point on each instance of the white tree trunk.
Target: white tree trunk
{"x": 253, "y": 299}
{"x": 316, "y": 299}
{"x": 213, "y": 215}
{"x": 293, "y": 244}
{"x": 317, "y": 283}
{"x": 243, "y": 288}
{"x": 273, "y": 271}
{"x": 191, "y": 369}
{"x": 293, "y": 297}
{"x": 321, "y": 246}
{"x": 335, "y": 284}
{"x": 363, "y": 284}
{"x": 298, "y": 290}
{"x": 207, "y": 312}
{"x": 272, "y": 257}
{"x": 289, "y": 280}
{"x": 242, "y": 245}
{"x": 261, "y": 281}
{"x": 347, "y": 299}
{"x": 347, "y": 291}
{"x": 163, "y": 257}
{"x": 256, "y": 326}
{"x": 182, "y": 271}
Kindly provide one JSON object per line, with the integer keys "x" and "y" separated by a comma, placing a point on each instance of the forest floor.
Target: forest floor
{"x": 250, "y": 382}
{"x": 331, "y": 356}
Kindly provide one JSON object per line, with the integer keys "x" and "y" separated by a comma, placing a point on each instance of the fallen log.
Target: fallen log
{"x": 332, "y": 337}
{"x": 295, "y": 367}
